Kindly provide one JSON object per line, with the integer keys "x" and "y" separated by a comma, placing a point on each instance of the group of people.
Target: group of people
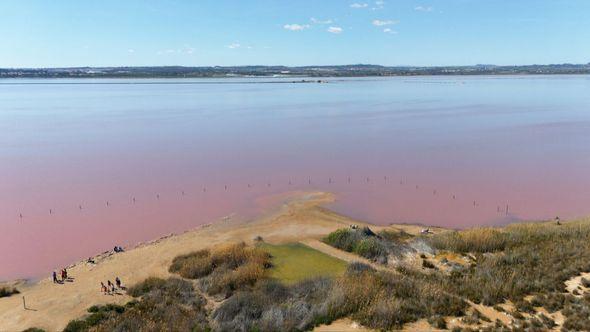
{"x": 63, "y": 274}
{"x": 110, "y": 288}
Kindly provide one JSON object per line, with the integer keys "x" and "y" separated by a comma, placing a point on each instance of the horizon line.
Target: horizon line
{"x": 300, "y": 66}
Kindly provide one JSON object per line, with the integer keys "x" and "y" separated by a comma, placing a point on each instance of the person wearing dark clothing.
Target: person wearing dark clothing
{"x": 55, "y": 277}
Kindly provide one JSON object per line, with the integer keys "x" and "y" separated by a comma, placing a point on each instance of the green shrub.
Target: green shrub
{"x": 343, "y": 239}
{"x": 370, "y": 248}
{"x": 76, "y": 326}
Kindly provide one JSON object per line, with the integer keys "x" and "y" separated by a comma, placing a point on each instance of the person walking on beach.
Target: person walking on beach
{"x": 55, "y": 277}
{"x": 103, "y": 288}
{"x": 118, "y": 282}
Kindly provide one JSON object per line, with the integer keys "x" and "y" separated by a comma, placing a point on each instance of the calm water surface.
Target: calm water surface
{"x": 101, "y": 163}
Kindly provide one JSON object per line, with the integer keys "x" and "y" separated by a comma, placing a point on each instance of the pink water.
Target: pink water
{"x": 495, "y": 141}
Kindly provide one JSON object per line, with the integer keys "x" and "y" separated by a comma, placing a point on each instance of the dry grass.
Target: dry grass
{"x": 474, "y": 240}
{"x": 225, "y": 269}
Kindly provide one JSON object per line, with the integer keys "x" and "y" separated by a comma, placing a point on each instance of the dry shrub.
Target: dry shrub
{"x": 194, "y": 265}
{"x": 272, "y": 306}
{"x": 8, "y": 291}
{"x": 384, "y": 300}
{"x": 225, "y": 269}
{"x": 164, "y": 305}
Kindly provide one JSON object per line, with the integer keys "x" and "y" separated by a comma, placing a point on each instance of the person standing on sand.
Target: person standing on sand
{"x": 54, "y": 277}
{"x": 118, "y": 282}
{"x": 103, "y": 288}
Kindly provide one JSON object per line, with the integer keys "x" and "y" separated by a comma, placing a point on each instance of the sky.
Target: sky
{"x": 69, "y": 33}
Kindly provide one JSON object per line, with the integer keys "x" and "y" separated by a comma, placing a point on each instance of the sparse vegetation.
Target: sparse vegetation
{"x": 8, "y": 291}
{"x": 536, "y": 258}
{"x": 264, "y": 288}
{"x": 162, "y": 305}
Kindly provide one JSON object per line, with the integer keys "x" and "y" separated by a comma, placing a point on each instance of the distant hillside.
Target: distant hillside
{"x": 268, "y": 71}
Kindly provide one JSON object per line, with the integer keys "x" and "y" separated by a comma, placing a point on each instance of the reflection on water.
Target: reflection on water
{"x": 91, "y": 165}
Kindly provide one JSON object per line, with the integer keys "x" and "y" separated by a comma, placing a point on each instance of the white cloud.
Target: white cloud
{"x": 424, "y": 8}
{"x": 388, "y": 30}
{"x": 296, "y": 27}
{"x": 335, "y": 30}
{"x": 316, "y": 21}
{"x": 234, "y": 46}
{"x": 359, "y": 5}
{"x": 379, "y": 4}
{"x": 130, "y": 50}
{"x": 380, "y": 23}
{"x": 186, "y": 49}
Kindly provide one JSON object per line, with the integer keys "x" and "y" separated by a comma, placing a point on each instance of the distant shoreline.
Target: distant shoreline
{"x": 159, "y": 72}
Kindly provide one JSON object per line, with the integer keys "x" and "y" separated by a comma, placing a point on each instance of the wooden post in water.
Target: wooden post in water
{"x": 506, "y": 209}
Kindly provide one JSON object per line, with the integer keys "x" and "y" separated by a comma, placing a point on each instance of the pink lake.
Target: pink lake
{"x": 67, "y": 147}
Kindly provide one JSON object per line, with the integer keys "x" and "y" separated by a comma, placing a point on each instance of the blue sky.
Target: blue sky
{"x": 61, "y": 33}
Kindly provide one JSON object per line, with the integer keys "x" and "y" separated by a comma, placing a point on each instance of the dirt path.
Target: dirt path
{"x": 340, "y": 254}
